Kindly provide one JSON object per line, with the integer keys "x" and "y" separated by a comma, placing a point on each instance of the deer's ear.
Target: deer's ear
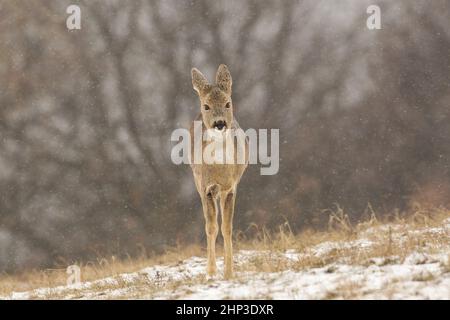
{"x": 223, "y": 79}
{"x": 199, "y": 81}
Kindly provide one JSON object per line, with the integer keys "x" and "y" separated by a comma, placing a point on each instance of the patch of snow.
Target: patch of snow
{"x": 419, "y": 276}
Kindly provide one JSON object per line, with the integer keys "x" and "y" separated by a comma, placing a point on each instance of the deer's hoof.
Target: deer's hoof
{"x": 211, "y": 271}
{"x": 228, "y": 275}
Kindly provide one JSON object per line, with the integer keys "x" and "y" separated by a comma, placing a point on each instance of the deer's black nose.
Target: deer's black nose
{"x": 220, "y": 124}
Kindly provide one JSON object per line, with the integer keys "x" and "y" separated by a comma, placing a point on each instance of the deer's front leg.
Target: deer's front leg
{"x": 227, "y": 208}
{"x": 211, "y": 227}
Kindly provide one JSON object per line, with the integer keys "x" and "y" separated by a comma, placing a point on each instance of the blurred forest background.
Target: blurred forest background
{"x": 86, "y": 117}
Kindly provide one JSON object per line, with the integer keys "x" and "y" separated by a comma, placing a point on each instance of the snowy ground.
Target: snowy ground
{"x": 417, "y": 275}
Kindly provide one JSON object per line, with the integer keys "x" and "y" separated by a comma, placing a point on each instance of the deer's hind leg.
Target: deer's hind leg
{"x": 209, "y": 199}
{"x": 227, "y": 200}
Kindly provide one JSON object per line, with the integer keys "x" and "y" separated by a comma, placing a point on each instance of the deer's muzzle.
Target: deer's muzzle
{"x": 219, "y": 125}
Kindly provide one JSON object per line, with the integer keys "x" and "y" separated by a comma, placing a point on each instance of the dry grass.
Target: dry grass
{"x": 92, "y": 270}
{"x": 385, "y": 244}
{"x": 388, "y": 245}
{"x": 346, "y": 290}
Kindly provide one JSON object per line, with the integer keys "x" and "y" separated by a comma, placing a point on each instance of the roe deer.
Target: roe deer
{"x": 217, "y": 182}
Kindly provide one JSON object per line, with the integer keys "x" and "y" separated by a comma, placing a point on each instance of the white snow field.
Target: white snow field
{"x": 423, "y": 273}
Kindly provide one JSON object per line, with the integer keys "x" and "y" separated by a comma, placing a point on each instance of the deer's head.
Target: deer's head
{"x": 215, "y": 99}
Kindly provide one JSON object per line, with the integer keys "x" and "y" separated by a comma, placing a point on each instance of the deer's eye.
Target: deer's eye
{"x": 206, "y": 107}
{"x": 228, "y": 105}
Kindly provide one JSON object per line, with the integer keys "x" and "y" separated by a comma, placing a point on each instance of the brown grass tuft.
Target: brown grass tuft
{"x": 392, "y": 239}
